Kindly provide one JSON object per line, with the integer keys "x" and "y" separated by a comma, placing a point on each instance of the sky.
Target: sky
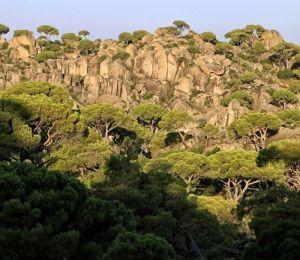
{"x": 107, "y": 18}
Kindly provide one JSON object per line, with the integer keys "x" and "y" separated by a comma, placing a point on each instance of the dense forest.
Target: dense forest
{"x": 102, "y": 159}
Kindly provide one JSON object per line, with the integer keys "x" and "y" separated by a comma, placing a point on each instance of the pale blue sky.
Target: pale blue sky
{"x": 107, "y": 18}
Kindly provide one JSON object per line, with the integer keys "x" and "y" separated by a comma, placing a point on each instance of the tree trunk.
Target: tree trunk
{"x": 183, "y": 136}
{"x": 237, "y": 188}
{"x": 293, "y": 177}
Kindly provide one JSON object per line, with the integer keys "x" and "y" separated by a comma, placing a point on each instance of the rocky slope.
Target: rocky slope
{"x": 183, "y": 73}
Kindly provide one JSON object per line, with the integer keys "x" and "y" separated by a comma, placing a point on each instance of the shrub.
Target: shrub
{"x": 282, "y": 97}
{"x": 202, "y": 122}
{"x": 285, "y": 74}
{"x": 86, "y": 47}
{"x": 244, "y": 98}
{"x": 51, "y": 47}
{"x": 102, "y": 58}
{"x": 121, "y": 55}
{"x": 125, "y": 37}
{"x": 290, "y": 117}
{"x": 171, "y": 45}
{"x": 68, "y": 49}
{"x": 297, "y": 73}
{"x": 139, "y": 34}
{"x": 148, "y": 95}
{"x": 209, "y": 37}
{"x": 45, "y": 55}
{"x": 295, "y": 87}
{"x": 4, "y": 46}
{"x": 193, "y": 50}
{"x": 22, "y": 32}
{"x": 70, "y": 37}
{"x": 248, "y": 77}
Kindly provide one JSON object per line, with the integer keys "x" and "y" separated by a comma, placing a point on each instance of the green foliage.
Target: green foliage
{"x": 3, "y": 29}
{"x": 222, "y": 208}
{"x": 290, "y": 118}
{"x": 181, "y": 25}
{"x": 295, "y": 87}
{"x": 283, "y": 97}
{"x": 172, "y": 30}
{"x": 148, "y": 95}
{"x": 193, "y": 50}
{"x": 53, "y": 217}
{"x": 102, "y": 58}
{"x": 70, "y": 37}
{"x": 132, "y": 245}
{"x": 210, "y": 132}
{"x": 187, "y": 165}
{"x": 149, "y": 115}
{"x": 237, "y": 37}
{"x": 175, "y": 121}
{"x": 84, "y": 157}
{"x": 239, "y": 171}
{"x": 285, "y": 74}
{"x": 256, "y": 126}
{"x": 209, "y": 37}
{"x": 259, "y": 48}
{"x": 138, "y": 35}
{"x": 86, "y": 47}
{"x": 244, "y": 98}
{"x": 125, "y": 37}
{"x": 248, "y": 77}
{"x": 46, "y": 55}
{"x": 121, "y": 55}
{"x": 283, "y": 53}
{"x": 275, "y": 223}
{"x": 22, "y": 32}
{"x": 4, "y": 46}
{"x": 16, "y": 138}
{"x": 224, "y": 48}
{"x": 247, "y": 35}
{"x": 105, "y": 118}
{"x": 84, "y": 33}
{"x": 286, "y": 150}
{"x": 48, "y": 30}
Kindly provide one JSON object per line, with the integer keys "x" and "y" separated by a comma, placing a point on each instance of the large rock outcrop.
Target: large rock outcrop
{"x": 271, "y": 38}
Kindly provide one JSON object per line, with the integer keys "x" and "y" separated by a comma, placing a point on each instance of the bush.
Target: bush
{"x": 68, "y": 49}
{"x": 244, "y": 98}
{"x": 4, "y": 46}
{"x": 282, "y": 97}
{"x": 51, "y": 47}
{"x": 202, "y": 122}
{"x": 121, "y": 55}
{"x": 22, "y": 32}
{"x": 139, "y": 34}
{"x": 193, "y": 50}
{"x": 45, "y": 55}
{"x": 248, "y": 77}
{"x": 285, "y": 74}
{"x": 290, "y": 117}
{"x": 297, "y": 73}
{"x": 70, "y": 37}
{"x": 295, "y": 87}
{"x": 171, "y": 45}
{"x": 220, "y": 207}
{"x": 86, "y": 47}
{"x": 209, "y": 37}
{"x": 102, "y": 58}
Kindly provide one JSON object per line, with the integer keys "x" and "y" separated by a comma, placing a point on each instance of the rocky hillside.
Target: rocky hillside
{"x": 186, "y": 71}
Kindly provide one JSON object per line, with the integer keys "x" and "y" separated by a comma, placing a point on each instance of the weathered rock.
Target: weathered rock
{"x": 24, "y": 40}
{"x": 225, "y": 116}
{"x": 271, "y": 38}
